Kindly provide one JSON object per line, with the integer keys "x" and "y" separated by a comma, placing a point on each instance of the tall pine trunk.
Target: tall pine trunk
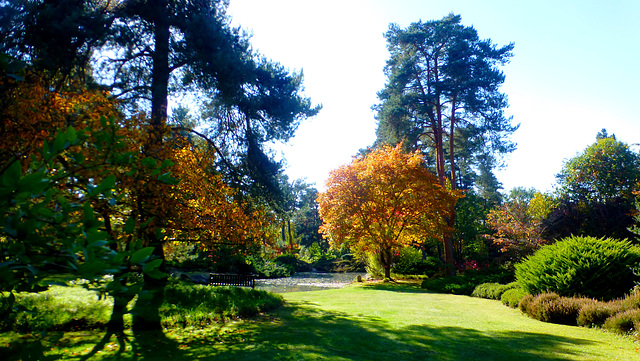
{"x": 146, "y": 314}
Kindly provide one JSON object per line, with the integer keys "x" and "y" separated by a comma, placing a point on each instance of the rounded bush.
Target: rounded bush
{"x": 492, "y": 290}
{"x": 550, "y": 307}
{"x": 596, "y": 313}
{"x": 598, "y": 268}
{"x": 525, "y": 302}
{"x": 512, "y": 297}
{"x": 624, "y": 322}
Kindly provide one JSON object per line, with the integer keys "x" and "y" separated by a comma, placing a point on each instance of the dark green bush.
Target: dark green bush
{"x": 465, "y": 283}
{"x": 293, "y": 263}
{"x": 624, "y": 322}
{"x": 411, "y": 262}
{"x": 492, "y": 290}
{"x": 456, "y": 285}
{"x": 513, "y": 296}
{"x": 222, "y": 259}
{"x": 267, "y": 268}
{"x": 598, "y": 268}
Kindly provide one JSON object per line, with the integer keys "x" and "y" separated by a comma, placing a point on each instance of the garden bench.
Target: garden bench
{"x": 217, "y": 279}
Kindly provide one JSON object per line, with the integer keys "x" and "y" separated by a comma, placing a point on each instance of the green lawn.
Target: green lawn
{"x": 377, "y": 322}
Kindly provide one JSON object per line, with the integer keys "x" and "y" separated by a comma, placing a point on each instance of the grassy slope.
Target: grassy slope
{"x": 386, "y": 323}
{"x": 380, "y": 323}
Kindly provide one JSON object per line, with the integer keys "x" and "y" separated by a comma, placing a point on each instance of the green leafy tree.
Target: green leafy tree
{"x": 300, "y": 218}
{"x": 442, "y": 97}
{"x": 470, "y": 227}
{"x": 604, "y": 171}
{"x": 57, "y": 38}
{"x": 596, "y": 192}
{"x": 175, "y": 44}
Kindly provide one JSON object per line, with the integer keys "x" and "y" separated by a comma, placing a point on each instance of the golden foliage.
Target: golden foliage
{"x": 384, "y": 201}
{"x": 169, "y": 185}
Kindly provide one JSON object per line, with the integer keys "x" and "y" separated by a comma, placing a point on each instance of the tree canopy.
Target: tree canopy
{"x": 149, "y": 52}
{"x": 442, "y": 98}
{"x": 382, "y": 202}
{"x": 605, "y": 171}
{"x": 114, "y": 66}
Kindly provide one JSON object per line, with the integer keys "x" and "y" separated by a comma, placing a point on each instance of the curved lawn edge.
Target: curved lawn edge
{"x": 370, "y": 321}
{"x": 406, "y": 321}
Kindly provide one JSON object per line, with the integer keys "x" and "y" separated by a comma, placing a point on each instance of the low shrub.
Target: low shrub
{"x": 492, "y": 290}
{"x": 74, "y": 308}
{"x": 525, "y": 302}
{"x": 411, "y": 262}
{"x": 550, "y": 307}
{"x": 59, "y": 308}
{"x": 563, "y": 310}
{"x": 632, "y": 301}
{"x": 533, "y": 308}
{"x": 198, "y": 305}
{"x": 624, "y": 322}
{"x": 596, "y": 313}
{"x": 597, "y": 268}
{"x": 267, "y": 268}
{"x": 513, "y": 296}
{"x": 465, "y": 283}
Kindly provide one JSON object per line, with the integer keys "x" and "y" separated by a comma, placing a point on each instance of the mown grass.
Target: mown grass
{"x": 366, "y": 322}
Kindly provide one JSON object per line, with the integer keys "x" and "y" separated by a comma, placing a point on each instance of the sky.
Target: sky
{"x": 575, "y": 71}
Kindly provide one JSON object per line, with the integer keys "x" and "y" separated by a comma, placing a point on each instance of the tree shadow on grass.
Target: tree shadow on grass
{"x": 303, "y": 332}
{"x": 94, "y": 345}
{"x": 411, "y": 286}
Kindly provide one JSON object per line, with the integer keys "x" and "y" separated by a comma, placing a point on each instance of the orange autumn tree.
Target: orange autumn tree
{"x": 206, "y": 210}
{"x": 190, "y": 202}
{"x": 383, "y": 202}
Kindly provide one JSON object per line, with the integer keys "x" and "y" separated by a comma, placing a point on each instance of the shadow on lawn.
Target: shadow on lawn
{"x": 91, "y": 345}
{"x": 411, "y": 286}
{"x": 302, "y": 332}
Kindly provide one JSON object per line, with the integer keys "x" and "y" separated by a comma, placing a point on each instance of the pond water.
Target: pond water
{"x": 308, "y": 281}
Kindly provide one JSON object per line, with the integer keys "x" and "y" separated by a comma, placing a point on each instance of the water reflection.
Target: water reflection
{"x": 308, "y": 281}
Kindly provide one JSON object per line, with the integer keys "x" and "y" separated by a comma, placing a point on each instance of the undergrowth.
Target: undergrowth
{"x": 65, "y": 308}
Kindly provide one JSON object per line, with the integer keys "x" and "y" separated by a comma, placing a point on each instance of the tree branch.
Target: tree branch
{"x": 233, "y": 170}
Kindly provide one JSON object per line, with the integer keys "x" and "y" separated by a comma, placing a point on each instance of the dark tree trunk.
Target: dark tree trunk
{"x": 160, "y": 74}
{"x": 387, "y": 272}
{"x": 146, "y": 314}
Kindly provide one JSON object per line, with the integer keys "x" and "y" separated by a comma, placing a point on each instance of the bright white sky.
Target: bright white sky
{"x": 575, "y": 70}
